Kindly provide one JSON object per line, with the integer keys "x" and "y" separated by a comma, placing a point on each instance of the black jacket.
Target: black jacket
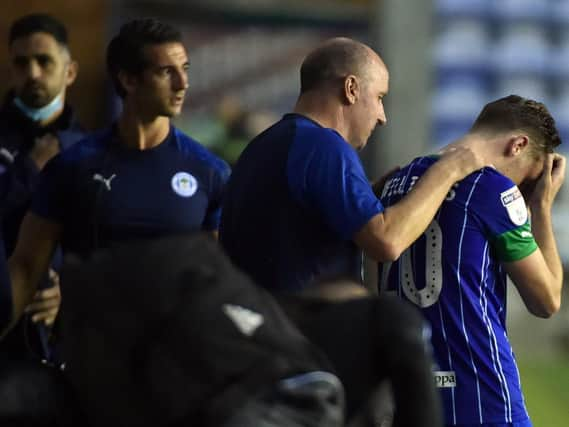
{"x": 17, "y": 136}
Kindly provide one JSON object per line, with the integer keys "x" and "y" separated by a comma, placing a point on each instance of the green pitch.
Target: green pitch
{"x": 546, "y": 388}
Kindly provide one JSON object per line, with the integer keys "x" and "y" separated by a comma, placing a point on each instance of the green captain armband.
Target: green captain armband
{"x": 515, "y": 244}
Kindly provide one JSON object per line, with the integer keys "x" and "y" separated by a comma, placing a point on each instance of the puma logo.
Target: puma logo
{"x": 106, "y": 181}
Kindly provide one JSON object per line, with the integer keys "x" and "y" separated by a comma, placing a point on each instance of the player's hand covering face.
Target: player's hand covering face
{"x": 546, "y": 187}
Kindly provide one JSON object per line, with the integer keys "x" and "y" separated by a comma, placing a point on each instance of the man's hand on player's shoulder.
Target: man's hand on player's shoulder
{"x": 465, "y": 156}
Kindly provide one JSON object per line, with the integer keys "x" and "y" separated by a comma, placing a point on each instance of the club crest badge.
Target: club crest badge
{"x": 184, "y": 184}
{"x": 515, "y": 204}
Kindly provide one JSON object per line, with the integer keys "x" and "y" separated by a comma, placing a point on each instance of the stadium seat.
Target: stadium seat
{"x": 522, "y": 49}
{"x": 520, "y": 9}
{"x": 450, "y": 44}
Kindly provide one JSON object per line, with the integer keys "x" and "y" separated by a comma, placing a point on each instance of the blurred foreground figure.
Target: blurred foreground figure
{"x": 379, "y": 348}
{"x": 185, "y": 339}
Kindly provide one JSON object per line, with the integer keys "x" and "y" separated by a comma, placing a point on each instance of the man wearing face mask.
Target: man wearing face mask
{"x": 35, "y": 124}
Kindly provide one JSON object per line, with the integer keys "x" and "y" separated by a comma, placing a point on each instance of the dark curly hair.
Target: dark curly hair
{"x": 516, "y": 113}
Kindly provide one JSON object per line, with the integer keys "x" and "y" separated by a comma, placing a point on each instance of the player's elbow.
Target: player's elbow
{"x": 544, "y": 314}
{"x": 550, "y": 309}
{"x": 387, "y": 250}
{"x": 547, "y": 307}
{"x": 380, "y": 241}
{"x": 392, "y": 251}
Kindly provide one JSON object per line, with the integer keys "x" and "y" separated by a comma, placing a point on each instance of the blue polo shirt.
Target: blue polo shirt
{"x": 102, "y": 192}
{"x": 297, "y": 196}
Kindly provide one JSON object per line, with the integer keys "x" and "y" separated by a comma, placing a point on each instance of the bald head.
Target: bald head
{"x": 343, "y": 83}
{"x": 335, "y": 59}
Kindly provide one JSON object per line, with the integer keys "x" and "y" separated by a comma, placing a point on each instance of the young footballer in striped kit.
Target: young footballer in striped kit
{"x": 456, "y": 272}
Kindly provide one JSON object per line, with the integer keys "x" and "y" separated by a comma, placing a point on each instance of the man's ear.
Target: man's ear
{"x": 128, "y": 81}
{"x": 71, "y": 72}
{"x": 351, "y": 89}
{"x": 517, "y": 145}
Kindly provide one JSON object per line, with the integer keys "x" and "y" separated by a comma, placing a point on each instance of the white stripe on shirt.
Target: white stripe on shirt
{"x": 460, "y": 295}
{"x": 492, "y": 342}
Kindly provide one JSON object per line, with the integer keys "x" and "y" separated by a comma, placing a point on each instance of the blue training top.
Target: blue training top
{"x": 102, "y": 192}
{"x": 453, "y": 274}
{"x": 297, "y": 195}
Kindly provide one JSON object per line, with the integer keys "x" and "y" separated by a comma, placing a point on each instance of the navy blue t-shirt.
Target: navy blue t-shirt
{"x": 297, "y": 196}
{"x": 102, "y": 192}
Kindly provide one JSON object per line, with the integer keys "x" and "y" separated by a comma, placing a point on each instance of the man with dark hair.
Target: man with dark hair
{"x": 456, "y": 272}
{"x": 35, "y": 124}
{"x": 142, "y": 178}
{"x": 126, "y": 52}
{"x": 318, "y": 208}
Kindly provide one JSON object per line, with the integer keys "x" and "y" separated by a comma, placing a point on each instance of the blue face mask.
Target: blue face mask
{"x": 43, "y": 113}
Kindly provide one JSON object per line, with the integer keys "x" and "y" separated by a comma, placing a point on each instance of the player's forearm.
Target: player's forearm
{"x": 542, "y": 230}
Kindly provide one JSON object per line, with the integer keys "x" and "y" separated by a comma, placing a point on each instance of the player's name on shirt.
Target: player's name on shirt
{"x": 398, "y": 187}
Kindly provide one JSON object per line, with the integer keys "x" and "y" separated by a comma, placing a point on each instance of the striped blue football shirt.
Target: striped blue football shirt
{"x": 453, "y": 273}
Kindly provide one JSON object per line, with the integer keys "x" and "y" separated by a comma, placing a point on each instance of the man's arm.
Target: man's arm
{"x": 539, "y": 277}
{"x": 45, "y": 305}
{"x": 30, "y": 261}
{"x": 385, "y": 236}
